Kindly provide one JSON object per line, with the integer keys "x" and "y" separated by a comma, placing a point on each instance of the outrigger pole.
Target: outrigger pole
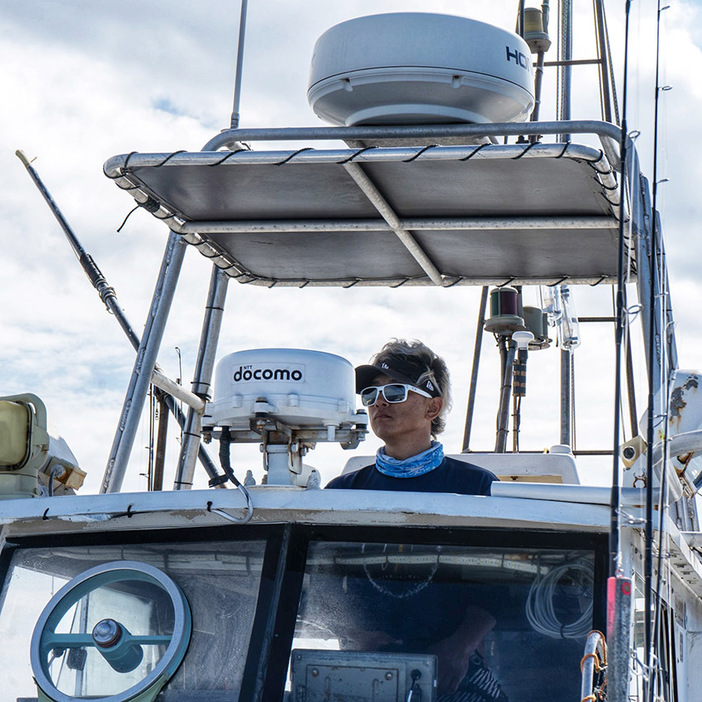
{"x": 109, "y": 297}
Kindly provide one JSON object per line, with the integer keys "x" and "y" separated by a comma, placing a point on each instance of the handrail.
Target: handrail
{"x": 594, "y": 661}
{"x": 609, "y": 134}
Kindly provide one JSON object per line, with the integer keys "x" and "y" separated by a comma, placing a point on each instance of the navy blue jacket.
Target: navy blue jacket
{"x": 450, "y": 476}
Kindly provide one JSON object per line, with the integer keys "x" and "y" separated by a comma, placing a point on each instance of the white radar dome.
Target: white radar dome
{"x": 298, "y": 387}
{"x": 420, "y": 68}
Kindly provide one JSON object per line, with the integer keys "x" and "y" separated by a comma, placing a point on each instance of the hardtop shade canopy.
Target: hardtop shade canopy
{"x": 525, "y": 213}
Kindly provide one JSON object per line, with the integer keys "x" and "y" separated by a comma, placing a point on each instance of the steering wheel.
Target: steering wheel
{"x": 107, "y": 657}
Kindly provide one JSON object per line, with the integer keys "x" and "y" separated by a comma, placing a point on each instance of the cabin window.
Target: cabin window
{"x": 516, "y": 617}
{"x": 220, "y": 580}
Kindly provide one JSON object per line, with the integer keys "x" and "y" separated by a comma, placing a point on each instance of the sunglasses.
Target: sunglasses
{"x": 393, "y": 393}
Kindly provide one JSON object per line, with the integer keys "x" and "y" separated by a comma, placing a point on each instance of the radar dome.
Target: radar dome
{"x": 420, "y": 68}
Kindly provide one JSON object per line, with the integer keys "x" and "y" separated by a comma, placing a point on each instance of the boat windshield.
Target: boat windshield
{"x": 220, "y": 581}
{"x": 498, "y": 622}
{"x": 505, "y": 618}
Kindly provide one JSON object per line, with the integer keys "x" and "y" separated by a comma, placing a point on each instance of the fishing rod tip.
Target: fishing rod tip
{"x": 23, "y": 157}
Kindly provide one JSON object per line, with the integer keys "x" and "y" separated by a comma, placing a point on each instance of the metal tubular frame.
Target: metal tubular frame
{"x": 600, "y": 159}
{"x": 209, "y": 338}
{"x": 594, "y": 661}
{"x": 479, "y": 331}
{"x": 507, "y": 353}
{"x": 566, "y": 55}
{"x": 156, "y": 482}
{"x": 609, "y": 134}
{"x": 188, "y": 231}
{"x": 415, "y": 223}
{"x": 603, "y": 59}
{"x": 144, "y": 365}
{"x": 118, "y": 169}
{"x": 178, "y": 391}
{"x": 388, "y": 214}
{"x": 566, "y": 397}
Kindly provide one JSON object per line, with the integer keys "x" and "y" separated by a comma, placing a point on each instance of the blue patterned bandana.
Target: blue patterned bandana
{"x": 413, "y": 466}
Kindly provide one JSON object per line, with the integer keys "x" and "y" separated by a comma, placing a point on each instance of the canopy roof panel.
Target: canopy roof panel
{"x": 475, "y": 214}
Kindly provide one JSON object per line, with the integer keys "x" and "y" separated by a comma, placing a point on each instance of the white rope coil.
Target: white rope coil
{"x": 540, "y": 609}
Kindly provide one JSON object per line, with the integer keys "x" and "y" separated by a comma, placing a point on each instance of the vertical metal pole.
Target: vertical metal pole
{"x": 209, "y": 337}
{"x": 239, "y": 65}
{"x": 538, "y": 81}
{"x": 505, "y": 393}
{"x": 520, "y": 19}
{"x": 566, "y": 397}
{"x": 619, "y": 601}
{"x": 151, "y": 397}
{"x": 144, "y": 364}
{"x": 539, "y": 74}
{"x": 600, "y": 30}
{"x": 474, "y": 372}
{"x": 566, "y": 55}
{"x": 162, "y": 434}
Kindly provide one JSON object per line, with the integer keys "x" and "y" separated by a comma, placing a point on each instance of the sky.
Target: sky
{"x": 84, "y": 80}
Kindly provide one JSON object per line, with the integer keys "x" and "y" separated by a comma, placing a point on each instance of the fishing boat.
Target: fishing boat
{"x": 436, "y": 171}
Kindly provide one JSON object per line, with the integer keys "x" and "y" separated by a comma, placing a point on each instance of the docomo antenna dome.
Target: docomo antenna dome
{"x": 420, "y": 68}
{"x": 299, "y": 388}
{"x": 287, "y": 399}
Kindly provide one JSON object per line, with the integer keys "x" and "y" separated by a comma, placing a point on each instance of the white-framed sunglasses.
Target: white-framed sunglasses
{"x": 392, "y": 392}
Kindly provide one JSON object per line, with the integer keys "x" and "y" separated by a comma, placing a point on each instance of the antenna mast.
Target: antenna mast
{"x": 234, "y": 122}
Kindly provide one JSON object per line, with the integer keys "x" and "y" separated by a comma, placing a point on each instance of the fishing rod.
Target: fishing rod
{"x": 109, "y": 297}
{"x": 652, "y": 595}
